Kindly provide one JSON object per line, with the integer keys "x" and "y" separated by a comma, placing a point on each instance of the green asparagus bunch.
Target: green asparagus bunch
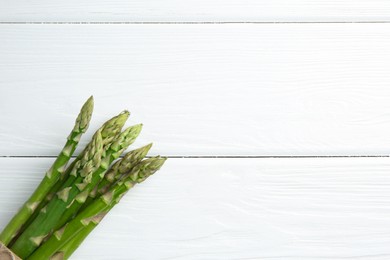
{"x": 72, "y": 199}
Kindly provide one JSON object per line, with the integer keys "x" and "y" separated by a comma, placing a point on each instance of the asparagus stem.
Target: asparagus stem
{"x": 34, "y": 234}
{"x": 71, "y": 246}
{"x": 87, "y": 220}
{"x": 124, "y": 140}
{"x": 43, "y": 203}
{"x": 51, "y": 177}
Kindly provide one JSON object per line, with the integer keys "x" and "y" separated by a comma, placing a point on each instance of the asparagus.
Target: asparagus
{"x": 56, "y": 203}
{"x": 34, "y": 234}
{"x": 109, "y": 131}
{"x": 113, "y": 152}
{"x": 89, "y": 218}
{"x": 52, "y": 175}
{"x": 87, "y": 173}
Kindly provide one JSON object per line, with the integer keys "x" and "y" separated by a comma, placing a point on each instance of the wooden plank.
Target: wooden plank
{"x": 236, "y": 209}
{"x": 292, "y": 89}
{"x": 196, "y": 10}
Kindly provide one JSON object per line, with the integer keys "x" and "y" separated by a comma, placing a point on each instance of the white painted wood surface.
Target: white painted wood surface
{"x": 290, "y": 88}
{"x": 195, "y": 10}
{"x": 264, "y": 89}
{"x": 236, "y": 209}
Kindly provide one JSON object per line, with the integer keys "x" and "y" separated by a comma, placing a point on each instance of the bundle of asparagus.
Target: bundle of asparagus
{"x": 72, "y": 199}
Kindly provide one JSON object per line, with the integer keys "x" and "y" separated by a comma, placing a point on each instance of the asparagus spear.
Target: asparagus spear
{"x": 51, "y": 177}
{"x": 33, "y": 236}
{"x": 113, "y": 152}
{"x": 109, "y": 131}
{"x": 87, "y": 220}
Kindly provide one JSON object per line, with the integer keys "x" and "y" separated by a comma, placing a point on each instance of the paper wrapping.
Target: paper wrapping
{"x": 6, "y": 254}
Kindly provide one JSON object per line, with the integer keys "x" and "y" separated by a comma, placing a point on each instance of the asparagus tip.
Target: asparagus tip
{"x": 147, "y": 147}
{"x": 121, "y": 119}
{"x": 132, "y": 130}
{"x": 124, "y": 114}
{"x": 113, "y": 126}
{"x": 146, "y": 168}
{"x": 84, "y": 117}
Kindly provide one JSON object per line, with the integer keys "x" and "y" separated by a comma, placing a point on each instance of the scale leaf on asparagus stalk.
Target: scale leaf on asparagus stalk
{"x": 51, "y": 177}
{"x": 66, "y": 240}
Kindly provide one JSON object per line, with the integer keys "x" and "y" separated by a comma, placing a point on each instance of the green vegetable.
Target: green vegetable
{"x": 71, "y": 200}
{"x": 109, "y": 130}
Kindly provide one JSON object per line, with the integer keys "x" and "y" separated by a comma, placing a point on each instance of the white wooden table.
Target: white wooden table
{"x": 275, "y": 116}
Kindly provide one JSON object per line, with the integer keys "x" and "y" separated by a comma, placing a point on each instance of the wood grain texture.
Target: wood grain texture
{"x": 195, "y": 10}
{"x": 236, "y": 209}
{"x": 292, "y": 89}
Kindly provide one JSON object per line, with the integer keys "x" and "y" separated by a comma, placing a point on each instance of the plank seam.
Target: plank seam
{"x": 227, "y": 156}
{"x": 206, "y": 22}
